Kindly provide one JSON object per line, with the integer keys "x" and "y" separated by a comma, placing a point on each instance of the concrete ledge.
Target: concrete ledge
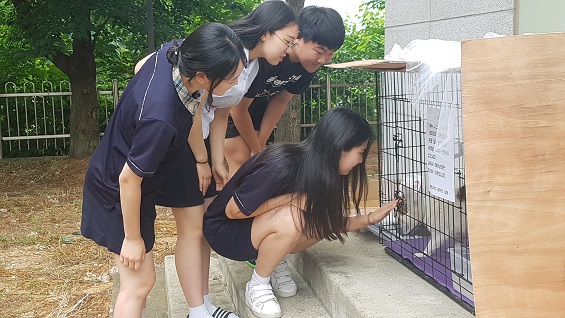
{"x": 358, "y": 279}
{"x": 303, "y": 305}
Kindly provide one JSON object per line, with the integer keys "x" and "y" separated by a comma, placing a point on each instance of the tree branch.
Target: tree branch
{"x": 62, "y": 61}
{"x": 99, "y": 30}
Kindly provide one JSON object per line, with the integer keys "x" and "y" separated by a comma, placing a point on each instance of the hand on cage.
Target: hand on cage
{"x": 382, "y": 212}
{"x": 399, "y": 195}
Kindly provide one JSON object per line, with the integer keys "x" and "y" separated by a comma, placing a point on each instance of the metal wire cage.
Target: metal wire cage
{"x": 421, "y": 160}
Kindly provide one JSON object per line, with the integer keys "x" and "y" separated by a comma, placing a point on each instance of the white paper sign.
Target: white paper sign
{"x": 439, "y": 157}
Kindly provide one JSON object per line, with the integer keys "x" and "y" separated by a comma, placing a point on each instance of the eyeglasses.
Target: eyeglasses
{"x": 290, "y": 46}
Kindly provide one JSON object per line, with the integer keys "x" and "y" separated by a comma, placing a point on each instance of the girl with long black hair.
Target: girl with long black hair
{"x": 289, "y": 197}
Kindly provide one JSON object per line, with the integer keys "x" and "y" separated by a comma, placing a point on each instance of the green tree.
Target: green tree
{"x": 76, "y": 35}
{"x": 364, "y": 40}
{"x": 17, "y": 62}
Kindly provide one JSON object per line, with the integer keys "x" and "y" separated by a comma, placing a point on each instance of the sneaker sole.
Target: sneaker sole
{"x": 284, "y": 294}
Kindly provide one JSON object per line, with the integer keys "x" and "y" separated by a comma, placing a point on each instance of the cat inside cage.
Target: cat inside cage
{"x": 428, "y": 231}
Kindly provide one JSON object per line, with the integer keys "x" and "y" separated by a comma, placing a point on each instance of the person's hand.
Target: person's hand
{"x": 132, "y": 253}
{"x": 204, "y": 176}
{"x": 382, "y": 212}
{"x": 221, "y": 176}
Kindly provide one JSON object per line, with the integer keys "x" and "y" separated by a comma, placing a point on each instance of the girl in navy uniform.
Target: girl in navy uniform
{"x": 268, "y": 32}
{"x": 145, "y": 141}
{"x": 291, "y": 196}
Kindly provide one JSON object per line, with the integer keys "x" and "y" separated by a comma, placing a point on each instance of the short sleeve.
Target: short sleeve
{"x": 262, "y": 69}
{"x": 150, "y": 143}
{"x": 255, "y": 188}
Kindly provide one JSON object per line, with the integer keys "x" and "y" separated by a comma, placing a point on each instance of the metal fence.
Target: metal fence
{"x": 34, "y": 119}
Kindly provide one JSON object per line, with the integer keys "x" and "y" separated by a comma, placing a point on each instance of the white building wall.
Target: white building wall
{"x": 453, "y": 20}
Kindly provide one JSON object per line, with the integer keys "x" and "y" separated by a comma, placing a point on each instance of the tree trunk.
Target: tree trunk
{"x": 288, "y": 127}
{"x": 80, "y": 67}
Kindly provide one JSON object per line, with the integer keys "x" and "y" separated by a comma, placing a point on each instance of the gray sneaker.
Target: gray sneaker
{"x": 282, "y": 282}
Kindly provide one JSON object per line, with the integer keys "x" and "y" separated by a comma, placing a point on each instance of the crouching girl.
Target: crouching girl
{"x": 289, "y": 197}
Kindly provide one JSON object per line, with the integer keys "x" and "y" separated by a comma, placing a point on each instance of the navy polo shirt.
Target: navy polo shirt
{"x": 253, "y": 184}
{"x": 148, "y": 130}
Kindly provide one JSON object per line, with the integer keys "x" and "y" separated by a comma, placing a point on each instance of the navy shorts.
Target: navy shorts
{"x": 256, "y": 118}
{"x": 181, "y": 188}
{"x": 103, "y": 223}
{"x": 230, "y": 238}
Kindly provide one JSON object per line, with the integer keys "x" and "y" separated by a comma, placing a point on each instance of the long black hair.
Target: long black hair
{"x": 267, "y": 17}
{"x": 213, "y": 49}
{"x": 311, "y": 168}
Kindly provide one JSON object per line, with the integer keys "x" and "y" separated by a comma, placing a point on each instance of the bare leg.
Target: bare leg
{"x": 275, "y": 234}
{"x": 236, "y": 152}
{"x": 303, "y": 244}
{"x": 192, "y": 254}
{"x": 135, "y": 285}
{"x": 206, "y": 260}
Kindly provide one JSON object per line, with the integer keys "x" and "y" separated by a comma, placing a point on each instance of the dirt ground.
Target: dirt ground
{"x": 47, "y": 269}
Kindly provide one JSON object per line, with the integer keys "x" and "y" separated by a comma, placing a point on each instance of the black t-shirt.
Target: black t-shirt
{"x": 271, "y": 79}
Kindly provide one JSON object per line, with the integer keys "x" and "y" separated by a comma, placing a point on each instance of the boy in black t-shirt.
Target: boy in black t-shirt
{"x": 252, "y": 121}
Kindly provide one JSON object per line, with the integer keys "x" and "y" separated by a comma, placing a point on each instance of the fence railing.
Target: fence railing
{"x": 35, "y": 119}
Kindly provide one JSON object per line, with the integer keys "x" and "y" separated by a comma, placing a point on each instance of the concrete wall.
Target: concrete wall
{"x": 453, "y": 20}
{"x": 458, "y": 20}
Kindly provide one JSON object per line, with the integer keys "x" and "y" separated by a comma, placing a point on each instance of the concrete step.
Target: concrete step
{"x": 358, "y": 279}
{"x": 304, "y": 304}
{"x": 354, "y": 280}
{"x": 177, "y": 307}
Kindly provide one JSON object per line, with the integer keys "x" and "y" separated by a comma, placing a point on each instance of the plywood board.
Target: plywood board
{"x": 513, "y": 94}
